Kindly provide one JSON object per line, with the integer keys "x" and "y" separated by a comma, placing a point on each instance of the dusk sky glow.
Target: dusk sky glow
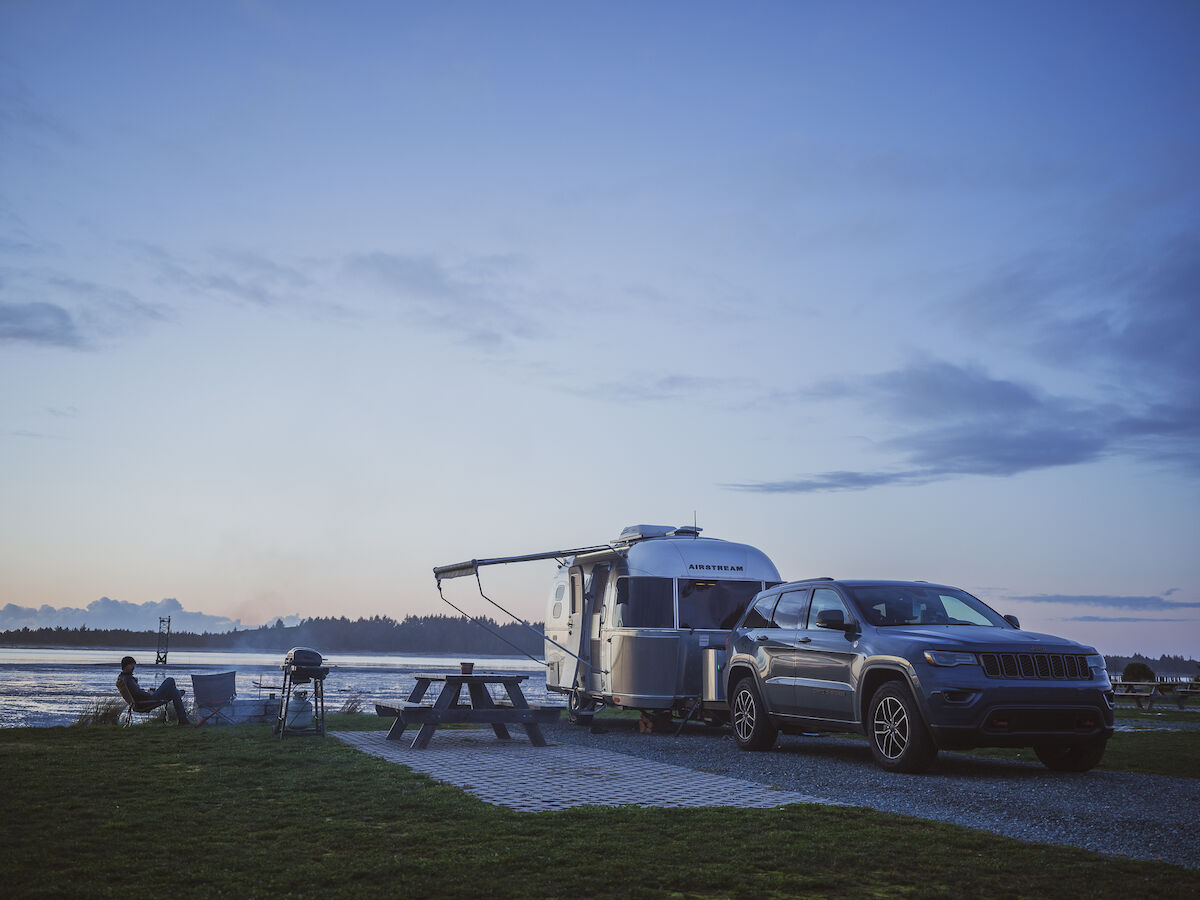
{"x": 298, "y": 302}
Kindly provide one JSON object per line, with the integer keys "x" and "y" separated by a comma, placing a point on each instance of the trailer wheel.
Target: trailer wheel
{"x": 580, "y": 709}
{"x": 752, "y": 726}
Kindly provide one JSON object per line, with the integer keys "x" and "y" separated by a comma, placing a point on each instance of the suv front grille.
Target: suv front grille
{"x": 1057, "y": 666}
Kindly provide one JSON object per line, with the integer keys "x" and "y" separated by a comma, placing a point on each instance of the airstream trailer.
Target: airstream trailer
{"x": 627, "y": 623}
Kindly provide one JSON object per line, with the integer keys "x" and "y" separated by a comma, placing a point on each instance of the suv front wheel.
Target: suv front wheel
{"x": 752, "y": 727}
{"x": 1070, "y": 757}
{"x": 899, "y": 740}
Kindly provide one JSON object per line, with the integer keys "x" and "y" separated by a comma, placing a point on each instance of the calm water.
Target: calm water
{"x": 45, "y": 687}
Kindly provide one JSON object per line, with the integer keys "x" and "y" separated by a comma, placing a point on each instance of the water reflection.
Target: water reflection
{"x": 43, "y": 687}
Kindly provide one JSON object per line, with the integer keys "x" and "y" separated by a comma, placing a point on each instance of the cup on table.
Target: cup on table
{"x": 467, "y": 667}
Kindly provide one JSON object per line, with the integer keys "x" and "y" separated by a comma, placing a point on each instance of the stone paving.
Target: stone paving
{"x": 532, "y": 779}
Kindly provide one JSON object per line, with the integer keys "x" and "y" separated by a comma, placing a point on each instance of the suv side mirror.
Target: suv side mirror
{"x": 1013, "y": 621}
{"x": 833, "y": 618}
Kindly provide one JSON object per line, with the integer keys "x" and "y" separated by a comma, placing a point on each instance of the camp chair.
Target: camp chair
{"x": 212, "y": 695}
{"x": 134, "y": 706}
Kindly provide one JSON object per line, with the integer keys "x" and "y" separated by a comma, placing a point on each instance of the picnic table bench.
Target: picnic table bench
{"x": 1150, "y": 691}
{"x": 483, "y": 709}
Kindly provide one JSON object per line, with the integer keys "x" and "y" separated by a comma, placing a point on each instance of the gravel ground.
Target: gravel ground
{"x": 1116, "y": 813}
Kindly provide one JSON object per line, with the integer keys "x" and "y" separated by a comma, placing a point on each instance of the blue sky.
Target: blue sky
{"x": 297, "y": 303}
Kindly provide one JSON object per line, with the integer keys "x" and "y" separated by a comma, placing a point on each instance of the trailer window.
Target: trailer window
{"x": 644, "y": 602}
{"x": 714, "y": 604}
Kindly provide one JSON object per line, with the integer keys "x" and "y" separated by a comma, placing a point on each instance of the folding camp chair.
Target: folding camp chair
{"x": 213, "y": 697}
{"x": 134, "y": 706}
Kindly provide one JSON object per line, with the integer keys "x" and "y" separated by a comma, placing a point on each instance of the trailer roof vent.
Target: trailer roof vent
{"x": 641, "y": 532}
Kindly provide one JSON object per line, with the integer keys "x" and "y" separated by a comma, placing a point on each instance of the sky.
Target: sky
{"x": 299, "y": 301}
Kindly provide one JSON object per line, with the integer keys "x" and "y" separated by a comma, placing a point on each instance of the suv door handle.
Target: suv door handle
{"x": 804, "y": 640}
{"x": 762, "y": 638}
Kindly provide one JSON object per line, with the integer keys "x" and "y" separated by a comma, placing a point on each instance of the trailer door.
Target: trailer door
{"x": 579, "y": 628}
{"x": 598, "y": 587}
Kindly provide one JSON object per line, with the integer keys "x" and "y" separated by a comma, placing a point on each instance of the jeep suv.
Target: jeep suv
{"x": 916, "y": 667}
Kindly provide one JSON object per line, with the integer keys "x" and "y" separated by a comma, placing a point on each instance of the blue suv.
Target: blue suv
{"x": 916, "y": 667}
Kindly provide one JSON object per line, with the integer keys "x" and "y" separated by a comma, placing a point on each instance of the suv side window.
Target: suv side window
{"x": 759, "y": 615}
{"x": 825, "y": 598}
{"x": 790, "y": 611}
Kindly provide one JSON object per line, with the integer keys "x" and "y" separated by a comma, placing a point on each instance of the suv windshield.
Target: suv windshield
{"x": 918, "y": 604}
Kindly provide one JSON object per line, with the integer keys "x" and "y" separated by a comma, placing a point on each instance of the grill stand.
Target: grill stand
{"x": 293, "y": 675}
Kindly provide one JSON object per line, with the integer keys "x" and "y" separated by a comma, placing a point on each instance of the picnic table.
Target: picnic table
{"x": 1149, "y": 691}
{"x": 483, "y": 709}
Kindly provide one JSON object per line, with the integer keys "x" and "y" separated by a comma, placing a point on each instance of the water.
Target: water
{"x": 44, "y": 687}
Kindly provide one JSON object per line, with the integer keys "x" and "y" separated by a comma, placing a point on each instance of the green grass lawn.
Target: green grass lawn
{"x": 160, "y": 810}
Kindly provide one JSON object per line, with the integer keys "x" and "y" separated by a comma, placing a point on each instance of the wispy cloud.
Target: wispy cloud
{"x": 1139, "y": 604}
{"x": 109, "y": 613}
{"x": 238, "y": 275}
{"x": 39, "y": 323}
{"x": 957, "y": 420}
{"x": 651, "y": 388}
{"x": 468, "y": 299}
{"x": 1131, "y": 619}
{"x": 1132, "y": 326}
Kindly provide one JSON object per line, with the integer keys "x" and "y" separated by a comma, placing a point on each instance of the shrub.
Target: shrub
{"x": 352, "y": 705}
{"x": 1138, "y": 671}
{"x": 101, "y": 712}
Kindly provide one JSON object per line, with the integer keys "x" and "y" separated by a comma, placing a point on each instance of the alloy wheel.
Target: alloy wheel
{"x": 744, "y": 715}
{"x": 891, "y": 727}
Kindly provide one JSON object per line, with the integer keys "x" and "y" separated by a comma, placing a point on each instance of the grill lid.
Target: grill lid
{"x": 302, "y": 656}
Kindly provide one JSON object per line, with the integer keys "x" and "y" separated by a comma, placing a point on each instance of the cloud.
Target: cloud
{"x": 58, "y": 310}
{"x": 1130, "y": 324}
{"x": 1121, "y": 619}
{"x": 836, "y": 481}
{"x": 21, "y": 115}
{"x": 467, "y": 300}
{"x": 650, "y": 388}
{"x": 108, "y": 613}
{"x": 39, "y": 323}
{"x": 957, "y": 420}
{"x": 954, "y": 420}
{"x": 237, "y": 274}
{"x": 1139, "y": 604}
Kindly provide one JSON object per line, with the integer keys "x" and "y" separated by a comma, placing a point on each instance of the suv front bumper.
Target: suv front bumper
{"x": 1019, "y": 714}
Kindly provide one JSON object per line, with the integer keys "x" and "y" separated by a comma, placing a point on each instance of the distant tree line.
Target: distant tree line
{"x": 378, "y": 634}
{"x": 1145, "y": 668}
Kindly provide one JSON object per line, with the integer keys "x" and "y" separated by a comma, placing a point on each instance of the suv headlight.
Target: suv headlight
{"x": 950, "y": 658}
{"x": 1097, "y": 662}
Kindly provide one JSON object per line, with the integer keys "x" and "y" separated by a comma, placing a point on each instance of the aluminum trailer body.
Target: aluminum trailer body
{"x": 627, "y": 624}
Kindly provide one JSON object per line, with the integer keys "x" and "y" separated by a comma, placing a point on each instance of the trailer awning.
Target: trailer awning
{"x": 471, "y": 566}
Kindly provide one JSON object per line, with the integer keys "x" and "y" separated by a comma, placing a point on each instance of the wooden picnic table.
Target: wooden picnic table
{"x": 1149, "y": 691}
{"x": 483, "y": 709}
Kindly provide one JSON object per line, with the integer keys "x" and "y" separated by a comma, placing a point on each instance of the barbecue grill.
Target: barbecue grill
{"x": 301, "y": 666}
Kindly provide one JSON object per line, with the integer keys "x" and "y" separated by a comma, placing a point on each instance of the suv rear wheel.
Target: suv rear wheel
{"x": 899, "y": 740}
{"x": 752, "y": 727}
{"x": 1070, "y": 757}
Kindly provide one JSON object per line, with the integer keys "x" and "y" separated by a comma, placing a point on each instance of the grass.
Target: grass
{"x": 233, "y": 811}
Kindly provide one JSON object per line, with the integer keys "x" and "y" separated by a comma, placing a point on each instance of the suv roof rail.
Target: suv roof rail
{"x": 820, "y": 578}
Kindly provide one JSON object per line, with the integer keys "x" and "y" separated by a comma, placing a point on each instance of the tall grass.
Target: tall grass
{"x": 108, "y": 712}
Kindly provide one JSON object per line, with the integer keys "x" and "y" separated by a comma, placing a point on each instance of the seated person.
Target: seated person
{"x": 164, "y": 692}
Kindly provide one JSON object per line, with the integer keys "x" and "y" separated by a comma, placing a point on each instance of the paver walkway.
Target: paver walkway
{"x": 532, "y": 779}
